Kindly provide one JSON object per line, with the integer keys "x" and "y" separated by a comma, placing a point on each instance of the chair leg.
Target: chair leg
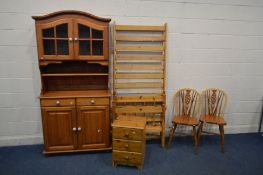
{"x": 172, "y": 130}
{"x": 163, "y": 139}
{"x": 199, "y": 131}
{"x": 221, "y": 129}
{"x": 195, "y": 140}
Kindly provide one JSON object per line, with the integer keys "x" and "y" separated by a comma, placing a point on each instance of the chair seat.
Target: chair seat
{"x": 185, "y": 120}
{"x": 213, "y": 119}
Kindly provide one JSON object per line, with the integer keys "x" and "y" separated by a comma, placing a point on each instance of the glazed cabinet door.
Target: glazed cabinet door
{"x": 59, "y": 127}
{"x": 93, "y": 127}
{"x": 55, "y": 40}
{"x": 90, "y": 40}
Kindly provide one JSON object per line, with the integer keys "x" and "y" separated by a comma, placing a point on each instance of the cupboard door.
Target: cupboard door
{"x": 93, "y": 127}
{"x": 59, "y": 125}
{"x": 90, "y": 40}
{"x": 55, "y": 40}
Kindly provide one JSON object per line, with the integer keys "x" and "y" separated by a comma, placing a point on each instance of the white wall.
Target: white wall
{"x": 211, "y": 43}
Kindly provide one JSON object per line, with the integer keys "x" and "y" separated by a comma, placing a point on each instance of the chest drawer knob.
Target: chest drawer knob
{"x": 74, "y": 129}
{"x": 92, "y": 101}
{"x": 57, "y": 102}
{"x": 133, "y": 132}
{"x": 79, "y": 128}
{"x": 127, "y": 157}
{"x": 126, "y": 146}
{"x": 99, "y": 130}
{"x": 126, "y": 134}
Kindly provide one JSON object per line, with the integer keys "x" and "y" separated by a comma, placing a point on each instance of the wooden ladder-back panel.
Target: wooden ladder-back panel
{"x": 139, "y": 76}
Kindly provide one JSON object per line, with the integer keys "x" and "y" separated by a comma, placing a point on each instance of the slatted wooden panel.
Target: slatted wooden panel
{"x": 139, "y": 67}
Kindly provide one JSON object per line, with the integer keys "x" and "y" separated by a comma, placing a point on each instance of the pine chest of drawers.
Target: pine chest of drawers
{"x": 128, "y": 140}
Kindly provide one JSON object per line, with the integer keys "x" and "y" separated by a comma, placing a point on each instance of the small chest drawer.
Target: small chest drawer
{"x": 129, "y": 158}
{"x": 127, "y": 133}
{"x": 58, "y": 102}
{"x": 125, "y": 145}
{"x": 92, "y": 101}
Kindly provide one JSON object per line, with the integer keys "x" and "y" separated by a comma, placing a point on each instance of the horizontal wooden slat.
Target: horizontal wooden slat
{"x": 139, "y": 48}
{"x": 138, "y": 38}
{"x": 138, "y": 85}
{"x": 139, "y": 57}
{"x": 139, "y": 109}
{"x": 138, "y": 66}
{"x": 131, "y": 118}
{"x": 139, "y": 98}
{"x": 139, "y": 118}
{"x": 153, "y": 128}
{"x": 139, "y": 76}
{"x": 139, "y": 28}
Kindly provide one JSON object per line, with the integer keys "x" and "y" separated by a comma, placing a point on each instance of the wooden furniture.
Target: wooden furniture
{"x": 213, "y": 102}
{"x": 75, "y": 98}
{"x": 128, "y": 139}
{"x": 186, "y": 108}
{"x": 261, "y": 119}
{"x": 139, "y": 76}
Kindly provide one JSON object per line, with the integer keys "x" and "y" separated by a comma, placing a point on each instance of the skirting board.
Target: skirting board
{"x": 21, "y": 140}
{"x": 38, "y": 139}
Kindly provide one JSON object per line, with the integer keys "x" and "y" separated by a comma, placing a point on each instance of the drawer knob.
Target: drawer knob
{"x": 126, "y": 135}
{"x": 126, "y": 146}
{"x": 133, "y": 132}
{"x": 92, "y": 101}
{"x": 58, "y": 102}
{"x": 79, "y": 128}
{"x": 71, "y": 103}
{"x": 99, "y": 130}
{"x": 74, "y": 129}
{"x": 127, "y": 157}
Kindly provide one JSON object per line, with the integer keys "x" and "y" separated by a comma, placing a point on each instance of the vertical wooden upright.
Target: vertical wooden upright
{"x": 139, "y": 74}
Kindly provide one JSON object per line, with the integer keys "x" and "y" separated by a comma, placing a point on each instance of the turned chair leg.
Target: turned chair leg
{"x": 195, "y": 140}
{"x": 163, "y": 139}
{"x": 172, "y": 130}
{"x": 221, "y": 129}
{"x": 199, "y": 131}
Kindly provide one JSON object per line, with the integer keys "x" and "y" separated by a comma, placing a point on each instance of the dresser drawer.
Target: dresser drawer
{"x": 129, "y": 158}
{"x": 92, "y": 101}
{"x": 127, "y": 133}
{"x": 58, "y": 102}
{"x": 125, "y": 145}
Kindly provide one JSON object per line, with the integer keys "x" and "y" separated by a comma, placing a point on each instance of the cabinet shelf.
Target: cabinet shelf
{"x": 74, "y": 74}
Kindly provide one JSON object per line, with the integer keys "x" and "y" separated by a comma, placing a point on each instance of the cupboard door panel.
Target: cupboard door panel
{"x": 58, "y": 127}
{"x": 90, "y": 40}
{"x": 94, "y": 124}
{"x": 55, "y": 41}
